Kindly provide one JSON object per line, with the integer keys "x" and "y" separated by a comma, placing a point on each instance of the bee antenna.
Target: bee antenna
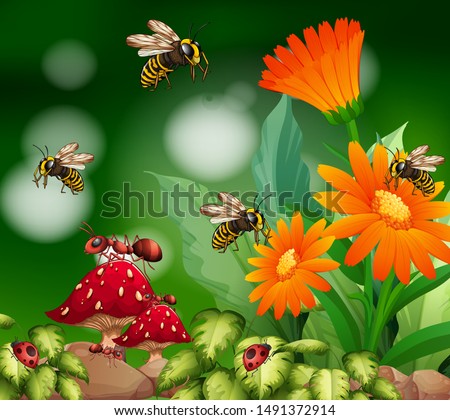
{"x": 265, "y": 198}
{"x": 190, "y": 30}
{"x": 387, "y": 148}
{"x": 39, "y": 150}
{"x": 254, "y": 201}
{"x": 199, "y": 29}
{"x": 46, "y": 149}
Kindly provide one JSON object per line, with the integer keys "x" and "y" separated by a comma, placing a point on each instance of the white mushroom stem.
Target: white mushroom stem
{"x": 154, "y": 349}
{"x": 110, "y": 327}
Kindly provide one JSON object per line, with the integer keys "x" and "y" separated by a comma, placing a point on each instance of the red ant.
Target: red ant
{"x": 108, "y": 352}
{"x": 144, "y": 249}
{"x": 157, "y": 299}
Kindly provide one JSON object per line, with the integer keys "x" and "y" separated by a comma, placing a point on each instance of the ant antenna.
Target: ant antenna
{"x": 190, "y": 29}
{"x": 40, "y": 150}
{"x": 265, "y": 198}
{"x": 254, "y": 201}
{"x": 198, "y": 30}
{"x": 90, "y": 232}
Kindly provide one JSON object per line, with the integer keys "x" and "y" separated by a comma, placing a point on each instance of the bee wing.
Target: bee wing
{"x": 417, "y": 152}
{"x": 232, "y": 202}
{"x": 76, "y": 161}
{"x": 427, "y": 163}
{"x": 164, "y": 30}
{"x": 219, "y": 213}
{"x": 149, "y": 44}
{"x": 68, "y": 149}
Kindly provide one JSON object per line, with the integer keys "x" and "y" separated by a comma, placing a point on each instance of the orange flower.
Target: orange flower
{"x": 398, "y": 224}
{"x": 324, "y": 73}
{"x": 289, "y": 269}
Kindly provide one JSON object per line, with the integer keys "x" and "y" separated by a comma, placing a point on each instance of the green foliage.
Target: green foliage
{"x": 8, "y": 391}
{"x": 213, "y": 332}
{"x": 221, "y": 384}
{"x": 11, "y": 369}
{"x": 179, "y": 369}
{"x": 6, "y": 322}
{"x": 361, "y": 366}
{"x": 306, "y": 346}
{"x": 299, "y": 376}
{"x": 68, "y": 387}
{"x": 330, "y": 384}
{"x": 71, "y": 364}
{"x": 358, "y": 395}
{"x": 40, "y": 384}
{"x": 191, "y": 391}
{"x": 49, "y": 340}
{"x": 382, "y": 389}
{"x": 284, "y": 393}
{"x": 264, "y": 381}
{"x": 444, "y": 367}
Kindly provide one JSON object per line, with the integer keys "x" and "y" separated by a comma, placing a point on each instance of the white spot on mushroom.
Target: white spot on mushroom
{"x": 167, "y": 314}
{"x": 125, "y": 338}
{"x": 143, "y": 286}
{"x": 78, "y": 286}
{"x": 148, "y": 312}
{"x": 116, "y": 269}
{"x": 102, "y": 282}
{"x": 138, "y": 296}
{"x": 121, "y": 291}
{"x": 65, "y": 311}
{"x": 89, "y": 293}
{"x": 142, "y": 326}
{"x": 162, "y": 325}
{"x": 111, "y": 265}
{"x": 87, "y": 281}
{"x": 184, "y": 335}
{"x": 176, "y": 323}
{"x": 129, "y": 274}
{"x": 134, "y": 322}
{"x": 124, "y": 281}
{"x": 98, "y": 305}
{"x": 173, "y": 328}
{"x": 100, "y": 271}
{"x": 149, "y": 320}
{"x": 147, "y": 334}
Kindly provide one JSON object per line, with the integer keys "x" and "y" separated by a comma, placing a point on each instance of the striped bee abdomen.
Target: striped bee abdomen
{"x": 72, "y": 179}
{"x": 154, "y": 70}
{"x": 423, "y": 181}
{"x": 224, "y": 234}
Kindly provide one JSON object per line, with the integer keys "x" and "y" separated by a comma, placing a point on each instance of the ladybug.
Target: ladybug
{"x": 26, "y": 353}
{"x": 256, "y": 355}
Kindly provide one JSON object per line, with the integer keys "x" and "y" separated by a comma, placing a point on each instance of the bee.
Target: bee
{"x": 234, "y": 219}
{"x": 414, "y": 167}
{"x": 65, "y": 166}
{"x": 167, "y": 52}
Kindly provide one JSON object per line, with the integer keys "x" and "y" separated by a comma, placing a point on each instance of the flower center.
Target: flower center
{"x": 392, "y": 210}
{"x": 287, "y": 264}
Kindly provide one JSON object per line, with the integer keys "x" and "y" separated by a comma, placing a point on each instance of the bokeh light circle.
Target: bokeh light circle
{"x": 69, "y": 64}
{"x": 369, "y": 71}
{"x": 209, "y": 139}
{"x": 38, "y": 214}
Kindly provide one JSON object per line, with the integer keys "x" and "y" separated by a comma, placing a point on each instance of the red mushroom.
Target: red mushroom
{"x": 106, "y": 299}
{"x": 153, "y": 330}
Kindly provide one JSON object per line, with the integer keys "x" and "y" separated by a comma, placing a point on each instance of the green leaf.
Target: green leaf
{"x": 6, "y": 322}
{"x": 306, "y": 346}
{"x": 67, "y": 387}
{"x": 362, "y": 366}
{"x": 213, "y": 332}
{"x": 329, "y": 384}
{"x": 382, "y": 389}
{"x": 193, "y": 390}
{"x": 358, "y": 395}
{"x": 392, "y": 141}
{"x": 271, "y": 375}
{"x": 71, "y": 364}
{"x": 278, "y": 166}
{"x": 11, "y": 369}
{"x": 221, "y": 384}
{"x": 337, "y": 153}
{"x": 338, "y": 252}
{"x": 284, "y": 393}
{"x": 41, "y": 383}
{"x": 299, "y": 376}
{"x": 444, "y": 367}
{"x": 49, "y": 340}
{"x": 418, "y": 344}
{"x": 180, "y": 368}
{"x": 8, "y": 391}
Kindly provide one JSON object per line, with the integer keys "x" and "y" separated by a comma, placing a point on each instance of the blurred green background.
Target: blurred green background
{"x": 94, "y": 96}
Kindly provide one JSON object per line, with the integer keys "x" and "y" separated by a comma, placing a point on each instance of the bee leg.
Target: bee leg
{"x": 396, "y": 183}
{"x": 205, "y": 72}
{"x": 36, "y": 180}
{"x": 225, "y": 247}
{"x": 192, "y": 73}
{"x": 168, "y": 81}
{"x": 237, "y": 246}
{"x": 62, "y": 188}
{"x": 73, "y": 192}
{"x": 387, "y": 181}
{"x": 45, "y": 182}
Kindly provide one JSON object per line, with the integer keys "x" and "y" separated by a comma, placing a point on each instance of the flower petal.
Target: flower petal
{"x": 292, "y": 300}
{"x": 331, "y": 80}
{"x": 267, "y": 252}
{"x": 419, "y": 254}
{"x": 297, "y": 231}
{"x": 288, "y": 59}
{"x": 259, "y": 291}
{"x": 302, "y": 292}
{"x": 280, "y": 302}
{"x": 354, "y": 58}
{"x": 341, "y": 202}
{"x": 433, "y": 210}
{"x": 365, "y": 242}
{"x": 313, "y": 233}
{"x": 340, "y": 30}
{"x": 313, "y": 43}
{"x": 432, "y": 244}
{"x": 276, "y": 67}
{"x": 361, "y": 168}
{"x": 343, "y": 71}
{"x": 380, "y": 166}
{"x": 315, "y": 80}
{"x": 262, "y": 274}
{"x": 300, "y": 51}
{"x": 313, "y": 280}
{"x": 327, "y": 38}
{"x": 318, "y": 265}
{"x": 318, "y": 248}
{"x": 439, "y": 230}
{"x": 383, "y": 259}
{"x": 285, "y": 235}
{"x": 402, "y": 258}
{"x": 351, "y": 225}
{"x": 260, "y": 262}
{"x": 269, "y": 298}
{"x": 276, "y": 243}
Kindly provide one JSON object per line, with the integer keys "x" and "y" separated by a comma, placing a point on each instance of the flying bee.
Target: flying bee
{"x": 167, "y": 52}
{"x": 414, "y": 167}
{"x": 65, "y": 166}
{"x": 234, "y": 219}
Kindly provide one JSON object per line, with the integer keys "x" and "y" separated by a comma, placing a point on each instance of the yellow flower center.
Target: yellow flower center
{"x": 392, "y": 210}
{"x": 287, "y": 264}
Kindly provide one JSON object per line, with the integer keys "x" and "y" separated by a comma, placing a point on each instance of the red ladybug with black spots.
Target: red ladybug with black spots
{"x": 26, "y": 353}
{"x": 256, "y": 355}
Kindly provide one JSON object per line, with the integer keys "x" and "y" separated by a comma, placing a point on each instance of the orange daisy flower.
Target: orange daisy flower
{"x": 289, "y": 268}
{"x": 324, "y": 72}
{"x": 394, "y": 221}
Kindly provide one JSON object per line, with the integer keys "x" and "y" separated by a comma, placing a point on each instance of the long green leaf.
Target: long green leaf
{"x": 418, "y": 344}
{"x": 393, "y": 141}
{"x": 6, "y": 322}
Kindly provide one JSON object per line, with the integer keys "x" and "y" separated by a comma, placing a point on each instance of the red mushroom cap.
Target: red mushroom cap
{"x": 118, "y": 289}
{"x": 159, "y": 323}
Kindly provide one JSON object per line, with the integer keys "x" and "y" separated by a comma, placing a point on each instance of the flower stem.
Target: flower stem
{"x": 352, "y": 130}
{"x": 368, "y": 291}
